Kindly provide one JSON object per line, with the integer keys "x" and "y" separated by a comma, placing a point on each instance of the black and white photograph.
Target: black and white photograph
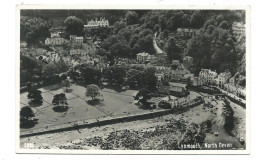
{"x": 137, "y": 80}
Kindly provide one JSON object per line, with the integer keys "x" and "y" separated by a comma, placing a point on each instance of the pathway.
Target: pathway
{"x": 156, "y": 48}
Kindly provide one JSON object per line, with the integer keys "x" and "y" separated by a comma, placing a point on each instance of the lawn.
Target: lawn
{"x": 114, "y": 104}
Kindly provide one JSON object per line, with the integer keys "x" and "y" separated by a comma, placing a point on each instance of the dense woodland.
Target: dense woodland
{"x": 132, "y": 32}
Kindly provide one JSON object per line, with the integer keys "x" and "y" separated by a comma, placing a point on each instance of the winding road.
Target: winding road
{"x": 156, "y": 48}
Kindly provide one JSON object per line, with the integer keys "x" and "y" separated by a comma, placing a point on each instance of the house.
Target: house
{"x": 102, "y": 22}
{"x": 232, "y": 80}
{"x": 178, "y": 76}
{"x": 52, "y": 56}
{"x": 55, "y": 41}
{"x": 162, "y": 69}
{"x": 76, "y": 40}
{"x": 175, "y": 89}
{"x": 241, "y": 92}
{"x": 223, "y": 78}
{"x": 197, "y": 81}
{"x": 58, "y": 29}
{"x": 187, "y": 62}
{"x": 143, "y": 57}
{"x": 238, "y": 28}
{"x": 178, "y": 89}
{"x": 23, "y": 44}
{"x": 185, "y": 32}
{"x": 79, "y": 52}
{"x": 208, "y": 76}
{"x": 56, "y": 34}
{"x": 230, "y": 87}
{"x": 176, "y": 64}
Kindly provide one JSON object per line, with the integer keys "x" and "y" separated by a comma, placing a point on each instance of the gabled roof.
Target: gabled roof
{"x": 143, "y": 54}
{"x": 173, "y": 84}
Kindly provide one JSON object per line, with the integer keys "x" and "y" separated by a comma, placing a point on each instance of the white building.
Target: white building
{"x": 76, "y": 40}
{"x": 197, "y": 81}
{"x": 97, "y": 23}
{"x": 232, "y": 80}
{"x": 207, "y": 76}
{"x": 55, "y": 41}
{"x": 55, "y": 34}
{"x": 79, "y": 52}
{"x": 238, "y": 28}
{"x": 52, "y": 56}
{"x": 142, "y": 57}
{"x": 186, "y": 32}
{"x": 223, "y": 78}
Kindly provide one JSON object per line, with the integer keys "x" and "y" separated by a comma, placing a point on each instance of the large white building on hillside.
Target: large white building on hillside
{"x": 142, "y": 57}
{"x": 207, "y": 76}
{"x": 223, "y": 78}
{"x": 102, "y": 22}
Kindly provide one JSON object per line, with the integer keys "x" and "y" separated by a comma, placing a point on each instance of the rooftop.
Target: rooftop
{"x": 143, "y": 54}
{"x": 173, "y": 84}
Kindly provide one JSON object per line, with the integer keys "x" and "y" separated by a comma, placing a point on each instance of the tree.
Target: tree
{"x": 143, "y": 95}
{"x": 173, "y": 50}
{"x": 157, "y": 28}
{"x": 92, "y": 91}
{"x": 120, "y": 49}
{"x": 60, "y": 103}
{"x": 200, "y": 49}
{"x": 26, "y": 113}
{"x": 149, "y": 78}
{"x": 165, "y": 33}
{"x": 131, "y": 18}
{"x": 74, "y": 25}
{"x": 35, "y": 97}
{"x": 90, "y": 74}
{"x": 34, "y": 30}
{"x": 115, "y": 74}
{"x": 118, "y": 26}
{"x": 196, "y": 20}
{"x": 185, "y": 21}
{"x": 133, "y": 77}
{"x": 49, "y": 70}
{"x": 28, "y": 63}
{"x": 27, "y": 119}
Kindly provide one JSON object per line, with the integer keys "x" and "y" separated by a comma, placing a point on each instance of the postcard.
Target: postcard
{"x": 133, "y": 79}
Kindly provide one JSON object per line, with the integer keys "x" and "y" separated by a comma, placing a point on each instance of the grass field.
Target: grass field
{"x": 114, "y": 104}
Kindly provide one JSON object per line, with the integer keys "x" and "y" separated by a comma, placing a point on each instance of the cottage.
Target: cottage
{"x": 175, "y": 89}
{"x": 178, "y": 89}
{"x": 55, "y": 41}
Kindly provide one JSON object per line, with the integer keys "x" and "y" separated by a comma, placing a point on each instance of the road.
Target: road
{"x": 156, "y": 48}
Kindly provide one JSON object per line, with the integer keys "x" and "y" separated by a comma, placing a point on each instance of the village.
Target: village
{"x": 76, "y": 84}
